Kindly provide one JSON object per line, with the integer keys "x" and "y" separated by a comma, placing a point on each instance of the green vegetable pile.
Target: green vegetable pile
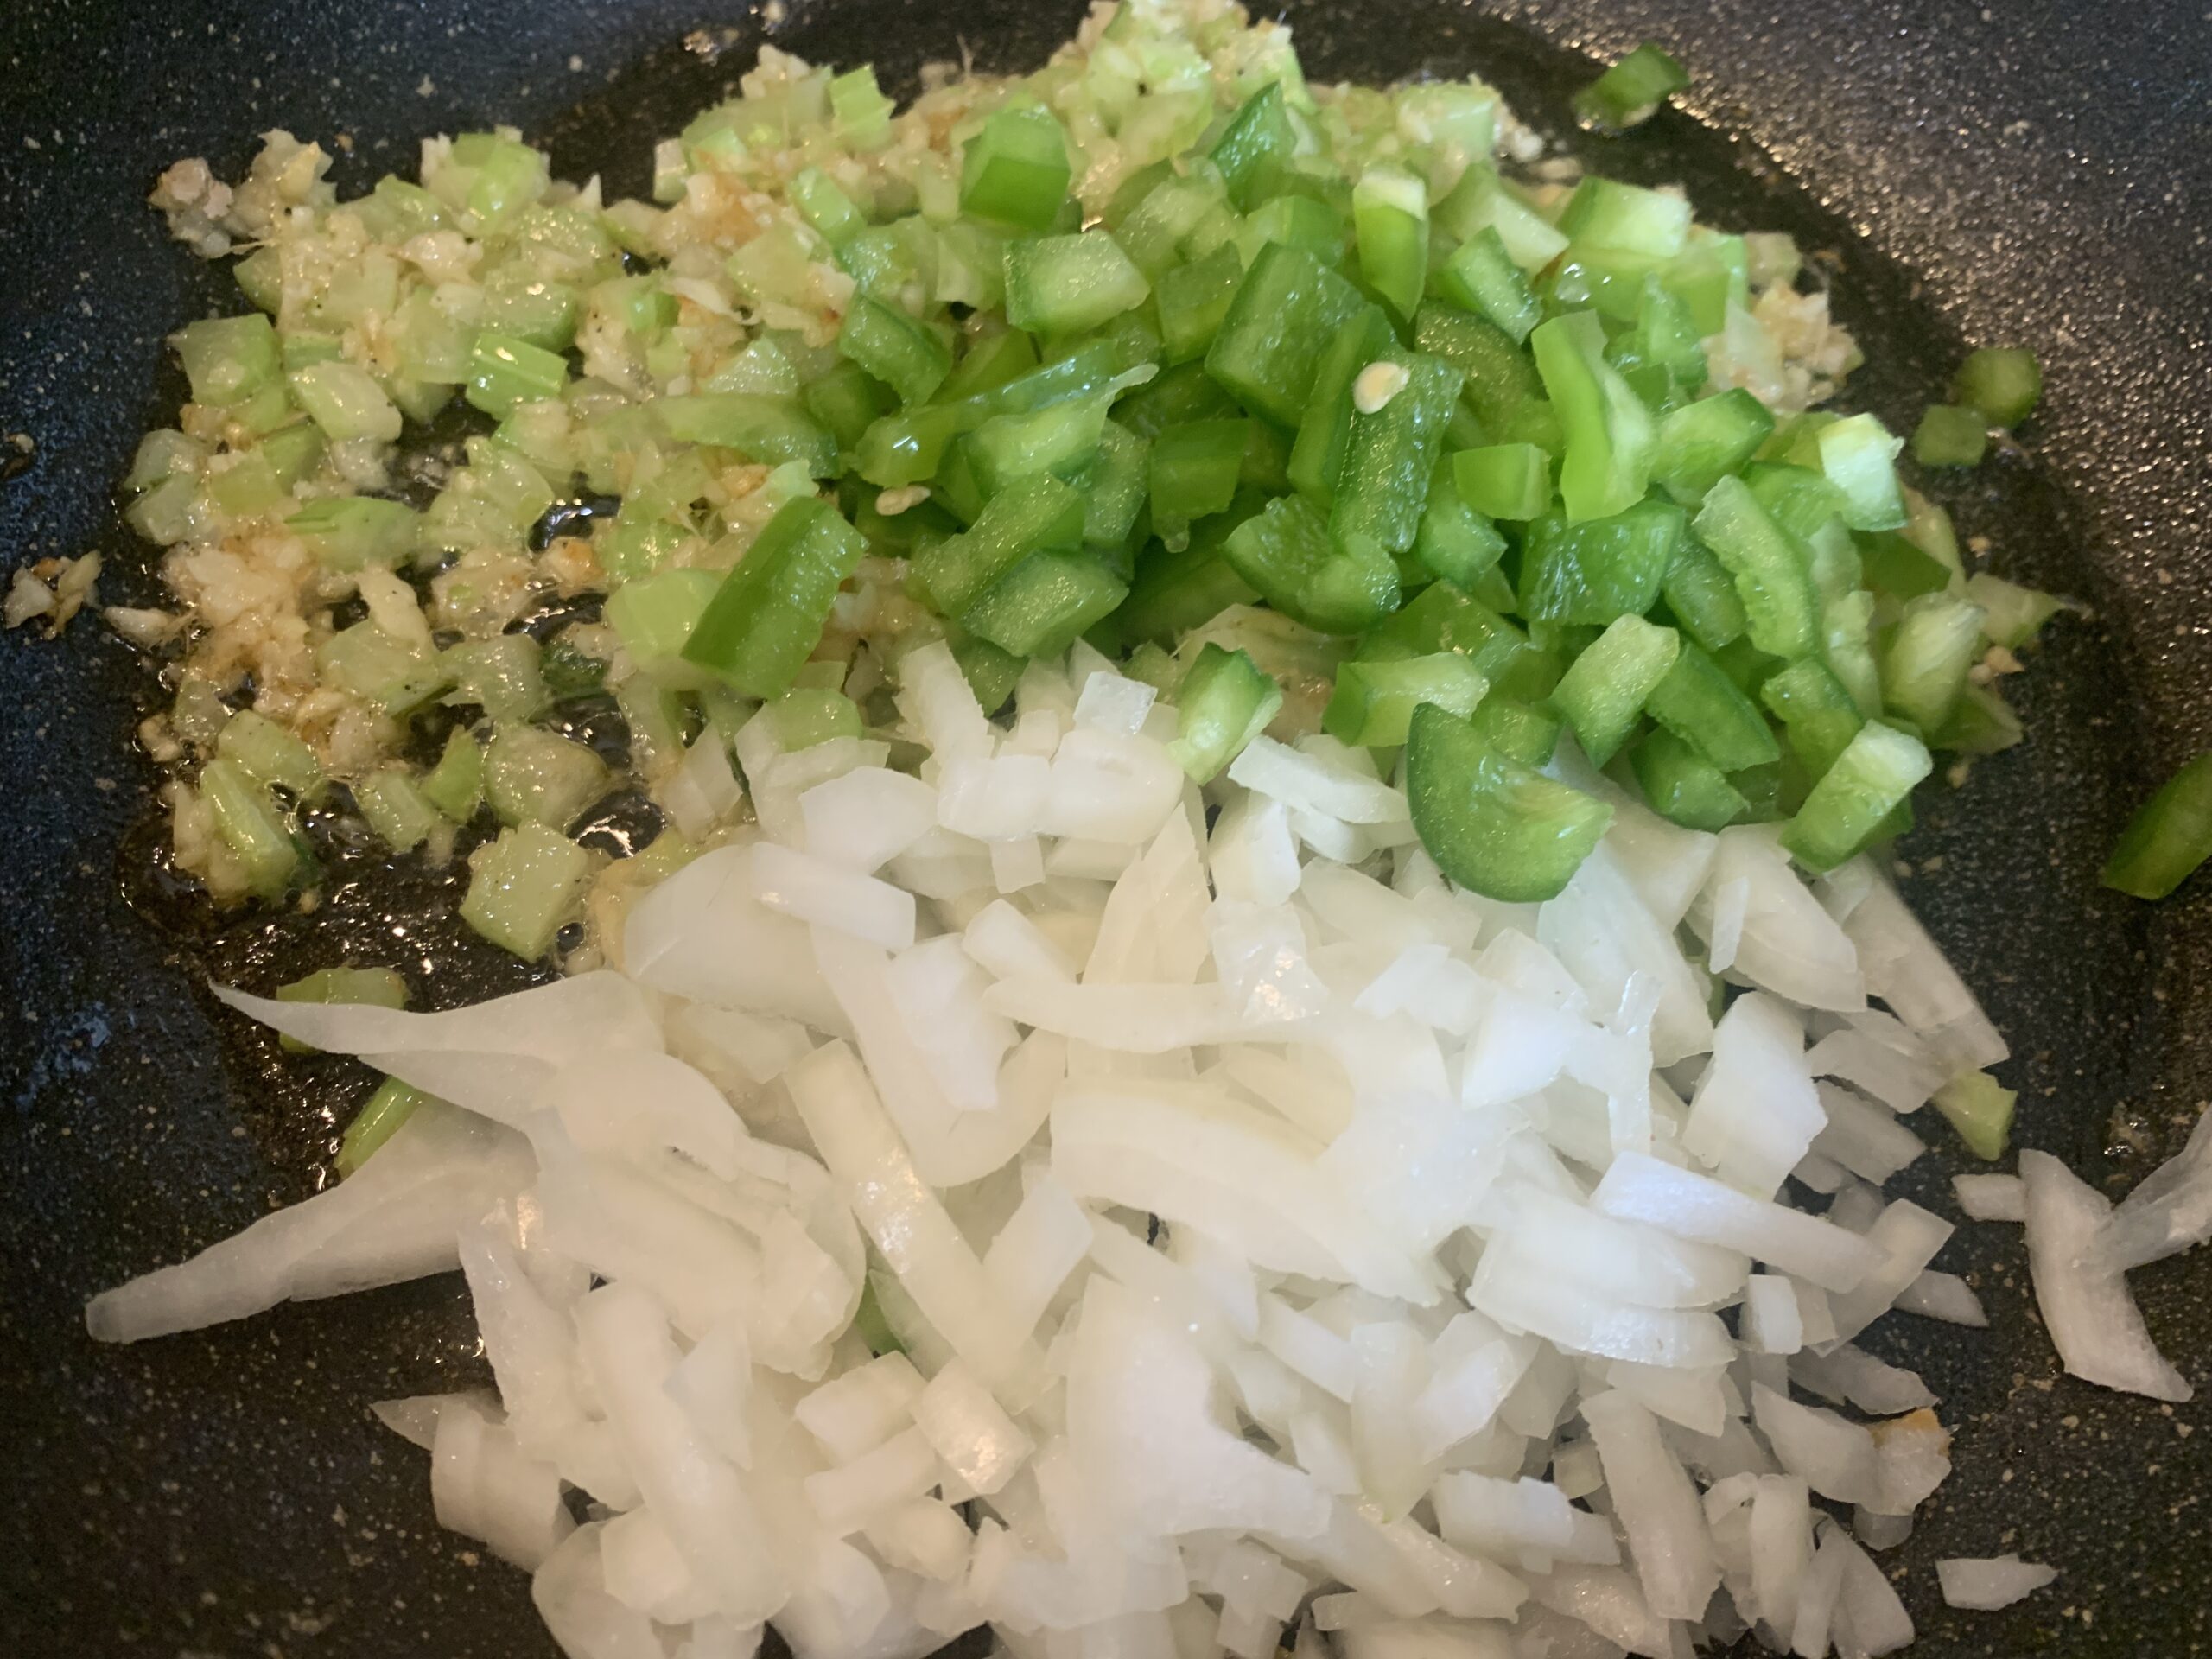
{"x": 1136, "y": 350}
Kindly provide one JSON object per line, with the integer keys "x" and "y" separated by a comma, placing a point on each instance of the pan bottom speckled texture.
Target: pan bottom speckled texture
{"x": 2027, "y": 172}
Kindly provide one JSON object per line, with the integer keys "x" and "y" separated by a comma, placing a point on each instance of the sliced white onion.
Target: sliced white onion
{"x": 2092, "y": 1320}
{"x": 397, "y": 1219}
{"x": 2169, "y": 1210}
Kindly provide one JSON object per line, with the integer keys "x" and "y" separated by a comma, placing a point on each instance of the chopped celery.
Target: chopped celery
{"x": 1064, "y": 284}
{"x": 1980, "y": 1108}
{"x": 346, "y": 401}
{"x": 1870, "y": 779}
{"x": 1373, "y": 704}
{"x": 826, "y": 209}
{"x": 456, "y": 785}
{"x": 524, "y": 888}
{"x": 503, "y": 676}
{"x": 655, "y": 615}
{"x": 228, "y": 359}
{"x": 2169, "y": 837}
{"x": 505, "y": 372}
{"x": 1223, "y": 701}
{"x": 395, "y": 808}
{"x": 268, "y": 754}
{"x": 1951, "y": 435}
{"x": 2003, "y": 383}
{"x": 251, "y": 826}
{"x": 768, "y": 614}
{"x": 1015, "y": 170}
{"x": 534, "y": 775}
{"x": 1493, "y": 825}
{"x": 378, "y": 1121}
{"x": 767, "y": 430}
{"x": 862, "y": 113}
{"x": 1604, "y": 689}
{"x": 398, "y": 674}
{"x": 346, "y": 532}
{"x": 377, "y": 988}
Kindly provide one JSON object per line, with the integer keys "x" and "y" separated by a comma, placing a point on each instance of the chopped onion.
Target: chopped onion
{"x": 1989, "y": 1583}
{"x": 1990, "y": 1198}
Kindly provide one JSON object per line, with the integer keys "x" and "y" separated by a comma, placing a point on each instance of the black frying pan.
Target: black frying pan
{"x": 2027, "y": 172}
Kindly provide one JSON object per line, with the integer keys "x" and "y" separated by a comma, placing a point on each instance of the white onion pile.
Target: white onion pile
{"x": 1275, "y": 1235}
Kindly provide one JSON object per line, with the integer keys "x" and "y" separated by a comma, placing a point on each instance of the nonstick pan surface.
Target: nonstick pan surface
{"x": 2031, "y": 172}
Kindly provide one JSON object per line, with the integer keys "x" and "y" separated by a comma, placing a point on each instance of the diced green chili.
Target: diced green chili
{"x": 1287, "y": 553}
{"x": 1773, "y": 580}
{"x": 1493, "y": 825}
{"x": 1605, "y": 687}
{"x": 1707, "y": 710}
{"x": 769, "y": 612}
{"x": 1223, "y": 701}
{"x": 1592, "y": 571}
{"x": 2169, "y": 837}
{"x": 1609, "y": 435}
{"x": 1870, "y": 779}
{"x": 1374, "y": 702}
{"x": 1682, "y": 786}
